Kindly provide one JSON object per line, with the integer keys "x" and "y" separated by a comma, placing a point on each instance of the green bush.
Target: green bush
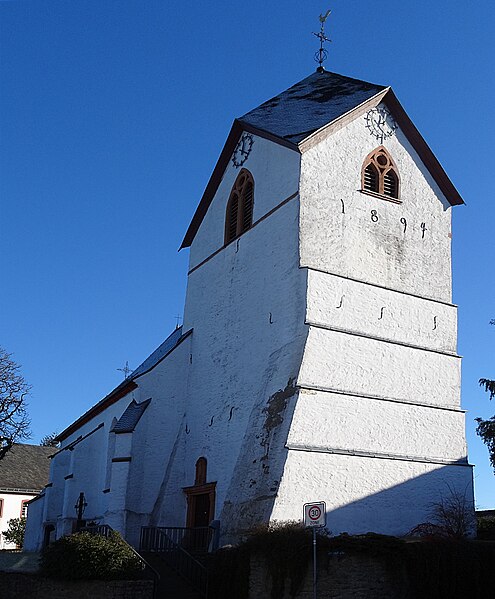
{"x": 486, "y": 527}
{"x": 15, "y": 531}
{"x": 90, "y": 557}
{"x": 285, "y": 548}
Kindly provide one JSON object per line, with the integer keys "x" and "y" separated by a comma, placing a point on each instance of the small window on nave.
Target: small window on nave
{"x": 239, "y": 215}
{"x": 380, "y": 175}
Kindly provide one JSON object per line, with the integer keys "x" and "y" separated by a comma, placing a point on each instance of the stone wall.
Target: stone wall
{"x": 347, "y": 577}
{"x": 374, "y": 567}
{"x": 21, "y": 586}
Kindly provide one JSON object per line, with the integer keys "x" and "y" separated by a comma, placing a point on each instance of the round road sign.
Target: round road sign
{"x": 314, "y": 512}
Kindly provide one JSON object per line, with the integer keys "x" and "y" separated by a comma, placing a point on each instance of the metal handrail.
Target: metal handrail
{"x": 105, "y": 530}
{"x": 169, "y": 543}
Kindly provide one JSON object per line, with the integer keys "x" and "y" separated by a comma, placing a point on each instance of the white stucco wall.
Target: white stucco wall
{"x": 382, "y": 338}
{"x": 33, "y": 535}
{"x": 82, "y": 469}
{"x": 154, "y": 443}
{"x": 365, "y": 494}
{"x": 12, "y": 503}
{"x": 334, "y": 360}
{"x": 275, "y": 170}
{"x": 368, "y": 310}
{"x": 328, "y": 421}
{"x": 349, "y": 243}
{"x": 54, "y": 492}
{"x": 240, "y": 359}
{"x": 246, "y": 305}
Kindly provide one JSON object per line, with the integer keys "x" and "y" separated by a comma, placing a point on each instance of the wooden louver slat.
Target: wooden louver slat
{"x": 247, "y": 215}
{"x": 370, "y": 178}
{"x": 390, "y": 184}
{"x": 232, "y": 217}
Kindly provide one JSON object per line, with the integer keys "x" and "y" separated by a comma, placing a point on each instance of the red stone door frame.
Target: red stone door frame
{"x": 191, "y": 494}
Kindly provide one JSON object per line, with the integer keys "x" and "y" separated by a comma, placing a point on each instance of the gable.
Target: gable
{"x": 401, "y": 243}
{"x": 308, "y": 112}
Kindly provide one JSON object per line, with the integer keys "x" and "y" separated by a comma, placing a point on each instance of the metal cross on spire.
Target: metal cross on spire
{"x": 126, "y": 370}
{"x": 321, "y": 54}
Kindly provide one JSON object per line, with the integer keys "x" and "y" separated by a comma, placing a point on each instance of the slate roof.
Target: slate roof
{"x": 160, "y": 352}
{"x": 131, "y": 416}
{"x": 25, "y": 468}
{"x": 310, "y": 104}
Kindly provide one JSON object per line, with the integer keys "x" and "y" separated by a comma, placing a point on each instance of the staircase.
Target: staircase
{"x": 177, "y": 554}
{"x": 171, "y": 585}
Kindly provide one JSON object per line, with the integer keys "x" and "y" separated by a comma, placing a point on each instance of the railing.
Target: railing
{"x": 174, "y": 545}
{"x": 191, "y": 539}
{"x": 105, "y": 530}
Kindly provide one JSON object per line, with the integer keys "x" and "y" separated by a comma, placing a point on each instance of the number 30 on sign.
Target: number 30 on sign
{"x": 315, "y": 514}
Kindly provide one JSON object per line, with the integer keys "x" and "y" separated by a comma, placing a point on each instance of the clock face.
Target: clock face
{"x": 380, "y": 123}
{"x": 242, "y": 150}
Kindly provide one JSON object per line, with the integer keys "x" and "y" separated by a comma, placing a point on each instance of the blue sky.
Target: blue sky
{"x": 112, "y": 116}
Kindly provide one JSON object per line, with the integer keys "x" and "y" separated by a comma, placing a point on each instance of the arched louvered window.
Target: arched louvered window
{"x": 380, "y": 175}
{"x": 239, "y": 216}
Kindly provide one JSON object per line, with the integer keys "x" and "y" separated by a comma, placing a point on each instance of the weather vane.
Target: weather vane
{"x": 126, "y": 370}
{"x": 322, "y": 54}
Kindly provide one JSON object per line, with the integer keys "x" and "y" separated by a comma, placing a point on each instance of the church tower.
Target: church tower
{"x": 317, "y": 358}
{"x": 323, "y": 361}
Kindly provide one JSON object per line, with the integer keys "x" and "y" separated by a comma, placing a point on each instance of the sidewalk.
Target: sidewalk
{"x": 18, "y": 561}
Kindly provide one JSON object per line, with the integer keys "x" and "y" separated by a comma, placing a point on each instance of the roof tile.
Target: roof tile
{"x": 25, "y": 467}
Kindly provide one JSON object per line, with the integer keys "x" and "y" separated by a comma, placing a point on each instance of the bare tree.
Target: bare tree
{"x": 50, "y": 440}
{"x": 452, "y": 516}
{"x": 14, "y": 421}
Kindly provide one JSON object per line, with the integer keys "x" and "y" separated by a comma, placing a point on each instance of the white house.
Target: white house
{"x": 317, "y": 358}
{"x": 23, "y": 474}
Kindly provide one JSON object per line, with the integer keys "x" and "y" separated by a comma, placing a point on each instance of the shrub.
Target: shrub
{"x": 87, "y": 556}
{"x": 15, "y": 531}
{"x": 452, "y": 517}
{"x": 284, "y": 547}
{"x": 486, "y": 527}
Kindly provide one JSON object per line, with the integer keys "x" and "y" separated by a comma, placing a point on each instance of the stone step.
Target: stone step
{"x": 171, "y": 584}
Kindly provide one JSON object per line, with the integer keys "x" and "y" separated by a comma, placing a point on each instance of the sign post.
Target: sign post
{"x": 314, "y": 517}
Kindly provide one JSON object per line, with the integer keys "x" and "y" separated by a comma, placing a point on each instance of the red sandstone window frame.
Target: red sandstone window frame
{"x": 239, "y": 211}
{"x": 1, "y": 507}
{"x": 24, "y": 505}
{"x": 380, "y": 176}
